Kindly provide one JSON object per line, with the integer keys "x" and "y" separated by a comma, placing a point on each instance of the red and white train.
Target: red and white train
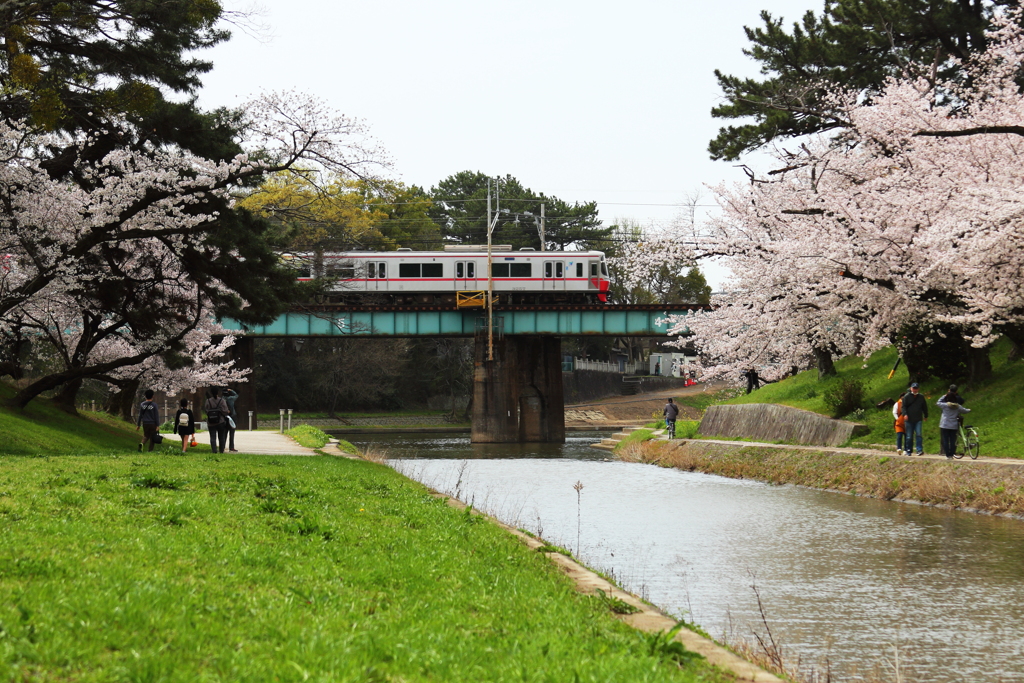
{"x": 427, "y": 277}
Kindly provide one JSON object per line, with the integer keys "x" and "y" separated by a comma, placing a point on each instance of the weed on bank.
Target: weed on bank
{"x": 962, "y": 485}
{"x": 247, "y": 568}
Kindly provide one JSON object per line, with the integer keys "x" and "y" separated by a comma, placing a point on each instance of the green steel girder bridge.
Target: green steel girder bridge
{"x": 517, "y": 376}
{"x": 610, "y": 320}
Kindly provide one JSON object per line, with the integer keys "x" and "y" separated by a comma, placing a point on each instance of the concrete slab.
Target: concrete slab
{"x": 263, "y": 443}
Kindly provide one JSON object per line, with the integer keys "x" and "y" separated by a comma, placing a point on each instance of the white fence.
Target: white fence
{"x": 603, "y": 366}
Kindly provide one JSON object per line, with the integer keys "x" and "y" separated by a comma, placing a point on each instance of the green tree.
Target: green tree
{"x": 851, "y": 44}
{"x": 460, "y": 209}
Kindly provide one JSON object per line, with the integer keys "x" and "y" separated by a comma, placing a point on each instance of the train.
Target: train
{"x": 454, "y": 275}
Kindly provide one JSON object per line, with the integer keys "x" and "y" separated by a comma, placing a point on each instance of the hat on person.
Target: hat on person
{"x": 913, "y": 385}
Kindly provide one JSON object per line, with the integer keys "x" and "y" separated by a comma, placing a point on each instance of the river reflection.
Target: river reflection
{"x": 843, "y": 578}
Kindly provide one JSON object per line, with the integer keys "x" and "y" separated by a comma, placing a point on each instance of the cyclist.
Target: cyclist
{"x": 949, "y": 422}
{"x": 670, "y": 412}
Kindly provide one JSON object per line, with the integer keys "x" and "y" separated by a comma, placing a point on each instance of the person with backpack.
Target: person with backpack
{"x": 230, "y": 396}
{"x": 184, "y": 424}
{"x": 915, "y": 408}
{"x": 149, "y": 420}
{"x": 216, "y": 409}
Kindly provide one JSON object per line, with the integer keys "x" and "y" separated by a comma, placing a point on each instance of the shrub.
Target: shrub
{"x": 844, "y": 397}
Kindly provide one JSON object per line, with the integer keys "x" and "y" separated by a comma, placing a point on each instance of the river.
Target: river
{"x": 854, "y": 582}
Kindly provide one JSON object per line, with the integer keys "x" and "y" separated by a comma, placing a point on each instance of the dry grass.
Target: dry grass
{"x": 978, "y": 487}
{"x": 374, "y": 453}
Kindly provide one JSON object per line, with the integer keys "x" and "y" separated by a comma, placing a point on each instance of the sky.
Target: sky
{"x": 587, "y": 101}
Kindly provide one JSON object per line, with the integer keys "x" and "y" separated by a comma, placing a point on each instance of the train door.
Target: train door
{"x": 465, "y": 275}
{"x": 594, "y": 279}
{"x": 377, "y": 276}
{"x": 554, "y": 276}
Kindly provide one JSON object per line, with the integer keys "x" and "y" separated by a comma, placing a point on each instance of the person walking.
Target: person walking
{"x": 949, "y": 423}
{"x": 915, "y": 408}
{"x": 901, "y": 427}
{"x": 230, "y": 396}
{"x": 670, "y": 412}
{"x": 149, "y": 420}
{"x": 216, "y": 409}
{"x": 184, "y": 424}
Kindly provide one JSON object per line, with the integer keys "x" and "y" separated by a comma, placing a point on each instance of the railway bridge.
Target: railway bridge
{"x": 517, "y": 379}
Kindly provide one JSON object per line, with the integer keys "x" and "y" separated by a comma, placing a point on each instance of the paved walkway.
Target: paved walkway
{"x": 265, "y": 443}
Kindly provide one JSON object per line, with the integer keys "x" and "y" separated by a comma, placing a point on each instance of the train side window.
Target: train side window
{"x": 593, "y": 269}
{"x": 408, "y": 270}
{"x": 471, "y": 269}
{"x": 499, "y": 270}
{"x": 579, "y": 269}
{"x": 558, "y": 269}
{"x": 304, "y": 270}
{"x": 340, "y": 271}
{"x": 433, "y": 270}
{"x": 520, "y": 270}
{"x": 382, "y": 270}
{"x": 547, "y": 269}
{"x": 460, "y": 271}
{"x": 371, "y": 270}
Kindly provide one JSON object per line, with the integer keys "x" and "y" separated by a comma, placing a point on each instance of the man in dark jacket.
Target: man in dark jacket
{"x": 149, "y": 420}
{"x": 915, "y": 407}
{"x": 671, "y": 412}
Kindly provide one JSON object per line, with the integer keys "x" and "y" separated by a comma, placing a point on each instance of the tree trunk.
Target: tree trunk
{"x": 979, "y": 365}
{"x": 65, "y": 398}
{"x": 823, "y": 359}
{"x": 1015, "y": 333}
{"x": 122, "y": 401}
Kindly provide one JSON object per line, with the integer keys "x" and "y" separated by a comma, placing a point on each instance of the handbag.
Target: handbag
{"x": 194, "y": 442}
{"x": 158, "y": 439}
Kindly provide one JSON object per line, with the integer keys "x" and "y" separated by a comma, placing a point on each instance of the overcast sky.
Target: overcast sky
{"x": 584, "y": 100}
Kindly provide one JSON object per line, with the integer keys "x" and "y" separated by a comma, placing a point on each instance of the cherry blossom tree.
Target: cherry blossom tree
{"x": 911, "y": 214}
{"x": 133, "y": 252}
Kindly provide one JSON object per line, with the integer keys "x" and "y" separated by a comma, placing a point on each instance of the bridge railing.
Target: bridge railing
{"x": 604, "y": 366}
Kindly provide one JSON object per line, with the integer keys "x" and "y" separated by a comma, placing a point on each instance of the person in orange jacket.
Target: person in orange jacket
{"x": 901, "y": 427}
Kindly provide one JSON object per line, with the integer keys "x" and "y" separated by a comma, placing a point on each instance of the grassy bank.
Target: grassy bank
{"x": 991, "y": 489}
{"x": 245, "y": 568}
{"x": 997, "y": 405}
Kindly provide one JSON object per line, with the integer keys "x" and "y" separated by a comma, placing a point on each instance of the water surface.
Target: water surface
{"x": 851, "y": 580}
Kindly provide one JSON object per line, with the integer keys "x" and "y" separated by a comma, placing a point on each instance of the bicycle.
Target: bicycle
{"x": 670, "y": 428}
{"x": 967, "y": 442}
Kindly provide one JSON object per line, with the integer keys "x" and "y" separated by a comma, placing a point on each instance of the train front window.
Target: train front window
{"x": 604, "y": 269}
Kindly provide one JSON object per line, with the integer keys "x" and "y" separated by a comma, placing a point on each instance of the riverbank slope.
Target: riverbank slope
{"x": 260, "y": 568}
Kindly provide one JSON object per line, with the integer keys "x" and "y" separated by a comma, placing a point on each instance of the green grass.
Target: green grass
{"x": 41, "y": 428}
{"x": 307, "y": 436}
{"x": 248, "y": 568}
{"x": 997, "y": 405}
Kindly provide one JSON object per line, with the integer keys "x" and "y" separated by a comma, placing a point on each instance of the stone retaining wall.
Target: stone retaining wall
{"x": 770, "y": 422}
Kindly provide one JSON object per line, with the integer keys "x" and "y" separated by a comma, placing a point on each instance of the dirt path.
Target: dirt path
{"x": 633, "y": 410}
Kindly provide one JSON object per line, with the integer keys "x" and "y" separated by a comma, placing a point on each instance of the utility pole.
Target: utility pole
{"x": 542, "y": 248}
{"x": 490, "y": 273}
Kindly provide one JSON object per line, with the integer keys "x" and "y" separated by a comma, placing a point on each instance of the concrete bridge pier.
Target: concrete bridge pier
{"x": 517, "y": 397}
